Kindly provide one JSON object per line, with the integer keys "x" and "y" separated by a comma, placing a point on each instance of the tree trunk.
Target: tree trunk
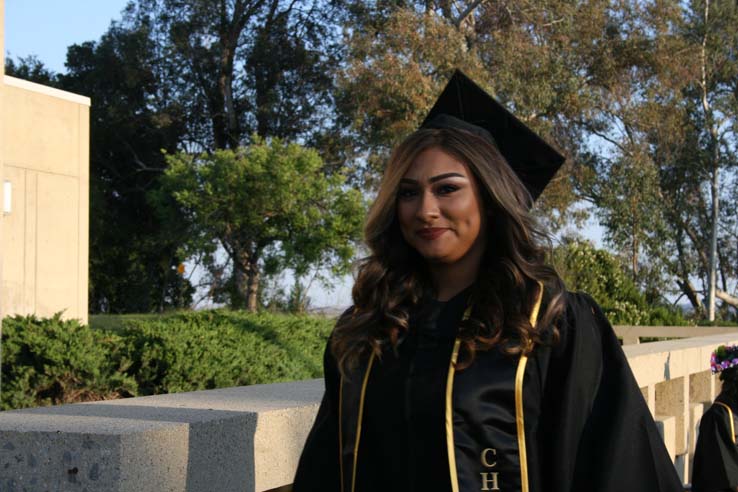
{"x": 241, "y": 274}
{"x": 713, "y": 241}
{"x": 634, "y": 264}
{"x": 727, "y": 298}
{"x": 686, "y": 286}
{"x": 252, "y": 294}
{"x": 714, "y": 171}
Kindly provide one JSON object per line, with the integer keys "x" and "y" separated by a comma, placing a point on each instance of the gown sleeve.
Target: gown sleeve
{"x": 318, "y": 468}
{"x": 716, "y": 456}
{"x": 596, "y": 430}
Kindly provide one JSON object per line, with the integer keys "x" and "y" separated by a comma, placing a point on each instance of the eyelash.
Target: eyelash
{"x": 403, "y": 193}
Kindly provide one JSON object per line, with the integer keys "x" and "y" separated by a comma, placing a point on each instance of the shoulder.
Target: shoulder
{"x": 584, "y": 322}
{"x": 715, "y": 418}
{"x": 583, "y": 310}
{"x": 578, "y": 303}
{"x": 330, "y": 363}
{"x": 347, "y": 313}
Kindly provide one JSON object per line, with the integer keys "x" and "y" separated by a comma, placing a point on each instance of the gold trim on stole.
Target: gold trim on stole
{"x": 450, "y": 411}
{"x": 340, "y": 433}
{"x": 450, "y": 418}
{"x": 519, "y": 413}
{"x": 358, "y": 420}
{"x": 730, "y": 415}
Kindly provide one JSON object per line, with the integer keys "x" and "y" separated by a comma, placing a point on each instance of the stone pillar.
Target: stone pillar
{"x": 695, "y": 414}
{"x": 702, "y": 387}
{"x": 672, "y": 399}
{"x": 649, "y": 394}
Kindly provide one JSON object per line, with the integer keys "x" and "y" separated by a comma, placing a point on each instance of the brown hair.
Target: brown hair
{"x": 394, "y": 277}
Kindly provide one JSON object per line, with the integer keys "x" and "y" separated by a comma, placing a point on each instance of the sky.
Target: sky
{"x": 45, "y": 28}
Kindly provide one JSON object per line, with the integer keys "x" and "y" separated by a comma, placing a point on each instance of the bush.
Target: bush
{"x": 597, "y": 272}
{"x": 52, "y": 361}
{"x": 214, "y": 349}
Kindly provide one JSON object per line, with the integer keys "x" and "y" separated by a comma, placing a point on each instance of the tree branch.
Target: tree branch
{"x": 462, "y": 17}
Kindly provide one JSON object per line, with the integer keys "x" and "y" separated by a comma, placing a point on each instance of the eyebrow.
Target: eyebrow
{"x": 433, "y": 179}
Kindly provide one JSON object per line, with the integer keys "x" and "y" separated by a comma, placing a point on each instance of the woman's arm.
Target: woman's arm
{"x": 318, "y": 468}
{"x": 600, "y": 433}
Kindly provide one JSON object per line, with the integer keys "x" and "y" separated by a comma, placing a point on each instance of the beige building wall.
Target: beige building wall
{"x": 45, "y": 157}
{"x": 2, "y": 181}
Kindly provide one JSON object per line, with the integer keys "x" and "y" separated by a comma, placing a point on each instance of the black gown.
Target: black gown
{"x": 716, "y": 455}
{"x": 586, "y": 427}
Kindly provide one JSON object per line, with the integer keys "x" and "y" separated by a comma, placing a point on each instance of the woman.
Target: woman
{"x": 716, "y": 455}
{"x": 464, "y": 365}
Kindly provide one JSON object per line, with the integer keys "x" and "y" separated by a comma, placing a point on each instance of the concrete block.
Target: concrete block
{"x": 671, "y": 399}
{"x": 681, "y": 463}
{"x": 64, "y": 453}
{"x": 666, "y": 424}
{"x": 244, "y": 439}
{"x": 701, "y": 386}
{"x": 695, "y": 414}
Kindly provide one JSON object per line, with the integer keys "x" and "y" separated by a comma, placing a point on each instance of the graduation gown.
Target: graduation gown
{"x": 716, "y": 455}
{"x": 567, "y": 418}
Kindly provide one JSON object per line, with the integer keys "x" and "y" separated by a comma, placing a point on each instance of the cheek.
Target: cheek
{"x": 467, "y": 211}
{"x": 404, "y": 216}
{"x": 401, "y": 212}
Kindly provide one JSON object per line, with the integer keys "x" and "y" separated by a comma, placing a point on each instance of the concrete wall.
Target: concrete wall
{"x": 633, "y": 334}
{"x": 2, "y": 146}
{"x": 249, "y": 439}
{"x": 45, "y": 237}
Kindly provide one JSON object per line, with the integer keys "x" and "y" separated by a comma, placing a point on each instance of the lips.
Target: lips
{"x": 431, "y": 232}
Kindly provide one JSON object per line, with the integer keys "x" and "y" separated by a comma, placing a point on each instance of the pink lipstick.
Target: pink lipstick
{"x": 431, "y": 232}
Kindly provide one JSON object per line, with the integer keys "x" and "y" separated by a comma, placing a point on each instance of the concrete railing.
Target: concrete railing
{"x": 633, "y": 334}
{"x": 249, "y": 439}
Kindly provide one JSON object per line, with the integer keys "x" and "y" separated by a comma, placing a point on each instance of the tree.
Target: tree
{"x": 269, "y": 207}
{"x": 133, "y": 250}
{"x": 527, "y": 54}
{"x": 605, "y": 277}
{"x": 30, "y": 68}
{"x": 244, "y": 67}
{"x": 665, "y": 81}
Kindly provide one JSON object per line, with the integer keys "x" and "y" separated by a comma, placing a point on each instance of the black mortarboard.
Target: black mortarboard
{"x": 464, "y": 105}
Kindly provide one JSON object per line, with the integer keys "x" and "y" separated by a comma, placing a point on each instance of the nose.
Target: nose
{"x": 428, "y": 206}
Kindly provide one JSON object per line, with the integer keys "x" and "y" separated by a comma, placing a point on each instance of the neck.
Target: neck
{"x": 451, "y": 278}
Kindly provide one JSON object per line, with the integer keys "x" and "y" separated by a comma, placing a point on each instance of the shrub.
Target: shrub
{"x": 52, "y": 361}
{"x": 597, "y": 272}
{"x": 214, "y": 349}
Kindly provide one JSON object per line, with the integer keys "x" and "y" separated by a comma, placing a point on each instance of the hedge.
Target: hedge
{"x": 52, "y": 361}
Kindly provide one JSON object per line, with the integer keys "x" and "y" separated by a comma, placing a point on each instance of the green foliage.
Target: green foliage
{"x": 270, "y": 206}
{"x": 52, "y": 361}
{"x": 603, "y": 276}
{"x": 217, "y": 349}
{"x": 30, "y": 68}
{"x": 244, "y": 67}
{"x": 133, "y": 249}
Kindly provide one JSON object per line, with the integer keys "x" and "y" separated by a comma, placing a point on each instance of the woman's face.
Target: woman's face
{"x": 439, "y": 208}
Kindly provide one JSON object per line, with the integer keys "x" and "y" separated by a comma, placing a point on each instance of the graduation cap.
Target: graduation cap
{"x": 466, "y": 106}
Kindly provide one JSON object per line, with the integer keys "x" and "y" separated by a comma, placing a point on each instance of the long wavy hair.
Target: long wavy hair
{"x": 392, "y": 280}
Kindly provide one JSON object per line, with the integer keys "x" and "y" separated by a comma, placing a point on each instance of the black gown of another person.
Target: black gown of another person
{"x": 716, "y": 455}
{"x": 570, "y": 418}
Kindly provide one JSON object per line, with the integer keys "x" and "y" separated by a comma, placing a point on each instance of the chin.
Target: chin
{"x": 435, "y": 256}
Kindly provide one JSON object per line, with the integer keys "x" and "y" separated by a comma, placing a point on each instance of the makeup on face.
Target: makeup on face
{"x": 438, "y": 206}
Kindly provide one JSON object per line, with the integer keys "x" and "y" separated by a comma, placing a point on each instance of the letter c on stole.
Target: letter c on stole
{"x": 485, "y": 461}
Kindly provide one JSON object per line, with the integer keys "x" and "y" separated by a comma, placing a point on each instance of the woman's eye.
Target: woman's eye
{"x": 446, "y": 189}
{"x": 406, "y": 193}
